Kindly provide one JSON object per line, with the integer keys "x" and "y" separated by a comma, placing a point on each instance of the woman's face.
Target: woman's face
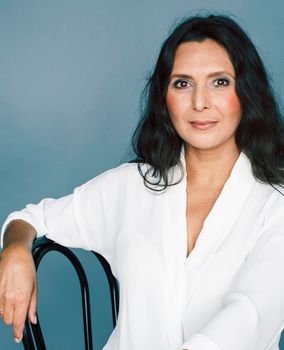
{"x": 201, "y": 98}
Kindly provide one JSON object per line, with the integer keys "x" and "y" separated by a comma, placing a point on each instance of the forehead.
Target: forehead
{"x": 205, "y": 56}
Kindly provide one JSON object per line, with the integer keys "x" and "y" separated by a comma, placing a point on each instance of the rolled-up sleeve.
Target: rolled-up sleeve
{"x": 252, "y": 316}
{"x": 76, "y": 220}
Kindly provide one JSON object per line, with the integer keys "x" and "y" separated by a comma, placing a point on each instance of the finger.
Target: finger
{"x": 1, "y": 309}
{"x": 8, "y": 312}
{"x": 33, "y": 307}
{"x": 2, "y": 303}
{"x": 20, "y": 315}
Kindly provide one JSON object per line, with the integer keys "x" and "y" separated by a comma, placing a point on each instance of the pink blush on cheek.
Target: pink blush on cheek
{"x": 231, "y": 103}
{"x": 234, "y": 101}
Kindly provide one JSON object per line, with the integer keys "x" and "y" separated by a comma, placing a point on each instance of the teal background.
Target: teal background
{"x": 71, "y": 73}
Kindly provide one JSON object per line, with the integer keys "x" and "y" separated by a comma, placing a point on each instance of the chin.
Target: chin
{"x": 210, "y": 143}
{"x": 202, "y": 145}
{"x": 208, "y": 146}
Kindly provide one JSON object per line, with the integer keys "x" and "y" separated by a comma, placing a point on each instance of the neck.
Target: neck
{"x": 210, "y": 166}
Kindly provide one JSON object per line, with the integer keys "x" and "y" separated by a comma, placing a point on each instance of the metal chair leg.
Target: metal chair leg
{"x": 33, "y": 337}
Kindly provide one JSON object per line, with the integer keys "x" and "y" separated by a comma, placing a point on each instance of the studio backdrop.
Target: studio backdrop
{"x": 71, "y": 75}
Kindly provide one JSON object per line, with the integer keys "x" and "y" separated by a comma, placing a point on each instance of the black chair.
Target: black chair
{"x": 33, "y": 338}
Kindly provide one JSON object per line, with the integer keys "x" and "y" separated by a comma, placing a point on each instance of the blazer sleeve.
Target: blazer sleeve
{"x": 252, "y": 316}
{"x": 77, "y": 220}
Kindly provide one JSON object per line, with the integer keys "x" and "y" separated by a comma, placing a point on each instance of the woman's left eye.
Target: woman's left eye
{"x": 221, "y": 82}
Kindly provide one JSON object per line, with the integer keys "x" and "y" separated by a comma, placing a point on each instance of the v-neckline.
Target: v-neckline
{"x": 188, "y": 222}
{"x": 237, "y": 186}
{"x": 183, "y": 272}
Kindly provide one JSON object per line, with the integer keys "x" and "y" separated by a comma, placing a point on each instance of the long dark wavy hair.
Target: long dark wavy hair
{"x": 260, "y": 134}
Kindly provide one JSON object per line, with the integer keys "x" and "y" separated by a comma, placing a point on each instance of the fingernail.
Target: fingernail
{"x": 35, "y": 319}
{"x": 17, "y": 340}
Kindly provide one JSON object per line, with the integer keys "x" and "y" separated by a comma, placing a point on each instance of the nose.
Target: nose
{"x": 200, "y": 98}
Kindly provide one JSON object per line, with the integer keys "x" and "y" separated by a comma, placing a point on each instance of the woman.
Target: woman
{"x": 193, "y": 228}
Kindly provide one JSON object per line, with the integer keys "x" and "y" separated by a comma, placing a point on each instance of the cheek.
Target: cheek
{"x": 175, "y": 104}
{"x": 170, "y": 102}
{"x": 235, "y": 104}
{"x": 231, "y": 106}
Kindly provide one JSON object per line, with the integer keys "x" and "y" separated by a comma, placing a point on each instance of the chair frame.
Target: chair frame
{"x": 33, "y": 337}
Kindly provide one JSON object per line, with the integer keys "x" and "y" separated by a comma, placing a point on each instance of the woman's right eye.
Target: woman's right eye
{"x": 181, "y": 84}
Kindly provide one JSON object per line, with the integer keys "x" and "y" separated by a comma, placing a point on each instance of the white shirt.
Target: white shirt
{"x": 228, "y": 294}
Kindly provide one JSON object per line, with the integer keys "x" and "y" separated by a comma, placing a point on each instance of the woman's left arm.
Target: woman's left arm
{"x": 253, "y": 310}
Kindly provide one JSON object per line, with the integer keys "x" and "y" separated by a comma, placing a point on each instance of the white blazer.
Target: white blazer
{"x": 228, "y": 294}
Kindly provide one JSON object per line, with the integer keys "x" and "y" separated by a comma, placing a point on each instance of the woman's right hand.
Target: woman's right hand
{"x": 18, "y": 288}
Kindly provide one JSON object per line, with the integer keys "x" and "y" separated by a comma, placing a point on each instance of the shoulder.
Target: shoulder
{"x": 273, "y": 197}
{"x": 265, "y": 200}
{"x": 274, "y": 194}
{"x": 114, "y": 179}
{"x": 276, "y": 199}
{"x": 119, "y": 174}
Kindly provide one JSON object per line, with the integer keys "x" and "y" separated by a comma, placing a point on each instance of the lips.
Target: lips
{"x": 203, "y": 124}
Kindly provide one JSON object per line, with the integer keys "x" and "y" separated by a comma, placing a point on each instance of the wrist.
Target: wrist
{"x": 16, "y": 248}
{"x": 19, "y": 233}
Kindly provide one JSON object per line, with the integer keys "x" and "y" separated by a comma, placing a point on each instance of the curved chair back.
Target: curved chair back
{"x": 33, "y": 338}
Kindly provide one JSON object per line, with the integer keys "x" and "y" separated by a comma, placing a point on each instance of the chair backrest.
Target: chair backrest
{"x": 33, "y": 338}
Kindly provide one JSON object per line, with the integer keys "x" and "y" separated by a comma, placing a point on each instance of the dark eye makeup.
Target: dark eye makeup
{"x": 221, "y": 82}
{"x": 180, "y": 83}
{"x": 217, "y": 82}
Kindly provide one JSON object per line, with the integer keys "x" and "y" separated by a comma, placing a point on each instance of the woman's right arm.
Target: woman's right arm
{"x": 88, "y": 219}
{"x": 18, "y": 286}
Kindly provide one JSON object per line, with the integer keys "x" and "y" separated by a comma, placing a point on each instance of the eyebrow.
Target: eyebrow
{"x": 213, "y": 74}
